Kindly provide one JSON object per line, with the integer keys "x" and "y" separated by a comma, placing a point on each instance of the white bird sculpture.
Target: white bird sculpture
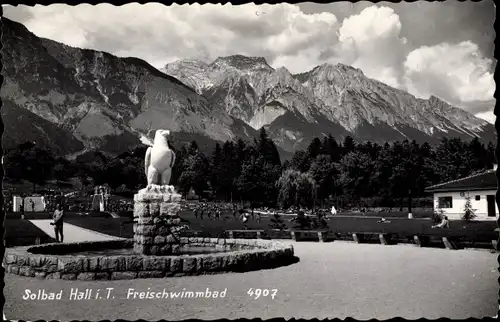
{"x": 160, "y": 160}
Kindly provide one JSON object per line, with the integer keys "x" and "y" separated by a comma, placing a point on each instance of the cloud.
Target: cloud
{"x": 454, "y": 72}
{"x": 158, "y": 33}
{"x": 371, "y": 41}
{"x": 370, "y": 38}
{"x": 487, "y": 116}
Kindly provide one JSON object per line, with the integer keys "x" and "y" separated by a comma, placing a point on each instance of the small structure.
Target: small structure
{"x": 31, "y": 203}
{"x": 100, "y": 198}
{"x": 450, "y": 197}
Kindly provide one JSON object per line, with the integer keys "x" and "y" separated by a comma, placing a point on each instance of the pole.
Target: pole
{"x": 410, "y": 215}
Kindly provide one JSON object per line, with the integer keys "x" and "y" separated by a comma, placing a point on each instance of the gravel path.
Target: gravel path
{"x": 336, "y": 279}
{"x": 71, "y": 232}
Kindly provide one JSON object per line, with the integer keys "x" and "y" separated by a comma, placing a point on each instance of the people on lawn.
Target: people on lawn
{"x": 383, "y": 221}
{"x": 445, "y": 223}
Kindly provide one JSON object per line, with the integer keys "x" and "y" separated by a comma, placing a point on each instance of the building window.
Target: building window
{"x": 478, "y": 198}
{"x": 445, "y": 202}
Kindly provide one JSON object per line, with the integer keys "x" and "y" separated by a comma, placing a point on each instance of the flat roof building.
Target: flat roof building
{"x": 450, "y": 197}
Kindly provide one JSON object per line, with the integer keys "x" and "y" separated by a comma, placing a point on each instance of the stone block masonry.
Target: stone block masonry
{"x": 153, "y": 235}
{"x": 243, "y": 255}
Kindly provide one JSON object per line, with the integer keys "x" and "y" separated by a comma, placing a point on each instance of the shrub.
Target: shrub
{"x": 469, "y": 213}
{"x": 277, "y": 222}
{"x": 302, "y": 221}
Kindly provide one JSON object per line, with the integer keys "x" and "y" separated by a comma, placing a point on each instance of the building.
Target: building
{"x": 450, "y": 197}
{"x": 31, "y": 204}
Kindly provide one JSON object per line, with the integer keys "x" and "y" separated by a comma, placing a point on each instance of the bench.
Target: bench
{"x": 258, "y": 232}
{"x": 322, "y": 234}
{"x": 450, "y": 242}
{"x": 384, "y": 238}
{"x": 494, "y": 242}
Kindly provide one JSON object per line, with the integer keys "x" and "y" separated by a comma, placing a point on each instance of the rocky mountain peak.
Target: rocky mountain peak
{"x": 186, "y": 63}
{"x": 94, "y": 99}
{"x": 436, "y": 100}
{"x": 243, "y": 62}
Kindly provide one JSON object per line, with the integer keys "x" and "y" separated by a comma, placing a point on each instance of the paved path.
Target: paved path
{"x": 331, "y": 280}
{"x": 71, "y": 232}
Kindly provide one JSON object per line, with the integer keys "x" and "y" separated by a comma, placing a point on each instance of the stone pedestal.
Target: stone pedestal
{"x": 151, "y": 237}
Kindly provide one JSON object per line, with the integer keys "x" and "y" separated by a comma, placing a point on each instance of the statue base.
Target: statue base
{"x": 153, "y": 229}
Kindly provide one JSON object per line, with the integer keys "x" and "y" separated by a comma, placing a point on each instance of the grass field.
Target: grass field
{"x": 47, "y": 215}
{"x": 120, "y": 227}
{"x": 479, "y": 231}
{"x": 20, "y": 232}
{"x": 342, "y": 226}
{"x": 417, "y": 213}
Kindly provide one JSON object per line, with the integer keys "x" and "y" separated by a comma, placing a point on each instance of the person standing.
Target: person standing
{"x": 235, "y": 211}
{"x": 21, "y": 210}
{"x": 58, "y": 223}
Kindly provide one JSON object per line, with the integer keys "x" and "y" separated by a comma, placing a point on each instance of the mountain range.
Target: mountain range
{"x": 73, "y": 100}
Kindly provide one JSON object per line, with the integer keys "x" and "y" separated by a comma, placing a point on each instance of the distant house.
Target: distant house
{"x": 450, "y": 197}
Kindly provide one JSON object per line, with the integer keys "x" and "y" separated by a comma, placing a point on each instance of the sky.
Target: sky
{"x": 426, "y": 48}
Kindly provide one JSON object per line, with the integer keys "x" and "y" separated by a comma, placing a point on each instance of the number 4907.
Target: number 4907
{"x": 258, "y": 292}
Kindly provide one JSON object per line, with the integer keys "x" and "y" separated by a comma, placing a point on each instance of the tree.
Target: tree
{"x": 29, "y": 162}
{"x": 59, "y": 172}
{"x": 256, "y": 181}
{"x": 195, "y": 174}
{"x": 180, "y": 156}
{"x": 382, "y": 173}
{"x": 469, "y": 213}
{"x": 455, "y": 159}
{"x": 193, "y": 148}
{"x": 296, "y": 188}
{"x": 216, "y": 169}
{"x": 405, "y": 171}
{"x": 324, "y": 173}
{"x": 355, "y": 170}
{"x": 349, "y": 145}
{"x": 38, "y": 166}
{"x": 230, "y": 170}
{"x": 332, "y": 148}
{"x": 479, "y": 153}
{"x": 314, "y": 149}
{"x": 266, "y": 148}
{"x": 301, "y": 161}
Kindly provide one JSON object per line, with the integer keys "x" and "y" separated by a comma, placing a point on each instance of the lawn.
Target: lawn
{"x": 417, "y": 213}
{"x": 478, "y": 231}
{"x": 120, "y": 227}
{"x": 20, "y": 232}
{"x": 48, "y": 215}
